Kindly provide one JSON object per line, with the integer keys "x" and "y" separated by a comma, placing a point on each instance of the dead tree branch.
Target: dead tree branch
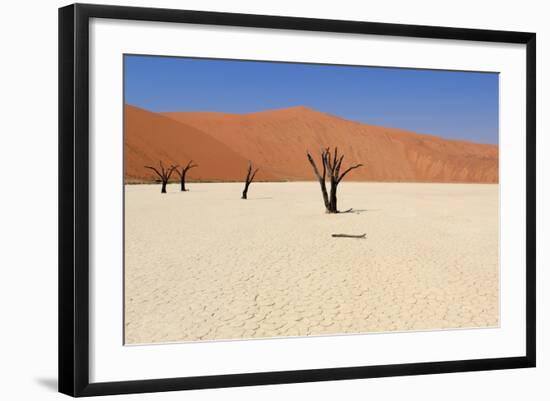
{"x": 332, "y": 165}
{"x": 248, "y": 180}
{"x": 164, "y": 174}
{"x": 349, "y": 235}
{"x": 182, "y": 174}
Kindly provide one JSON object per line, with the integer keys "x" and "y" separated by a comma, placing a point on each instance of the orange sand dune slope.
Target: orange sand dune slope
{"x": 278, "y": 141}
{"x": 150, "y": 138}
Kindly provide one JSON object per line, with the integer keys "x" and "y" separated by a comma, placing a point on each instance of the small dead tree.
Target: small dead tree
{"x": 164, "y": 174}
{"x": 183, "y": 173}
{"x": 248, "y": 180}
{"x": 331, "y": 165}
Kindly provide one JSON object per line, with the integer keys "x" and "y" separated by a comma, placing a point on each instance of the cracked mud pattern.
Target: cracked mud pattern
{"x": 206, "y": 265}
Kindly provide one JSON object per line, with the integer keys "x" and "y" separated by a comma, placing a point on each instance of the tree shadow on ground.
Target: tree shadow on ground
{"x": 358, "y": 211}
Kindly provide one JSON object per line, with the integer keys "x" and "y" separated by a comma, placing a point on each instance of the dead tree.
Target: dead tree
{"x": 164, "y": 174}
{"x": 349, "y": 235}
{"x": 248, "y": 180}
{"x": 331, "y": 166}
{"x": 183, "y": 172}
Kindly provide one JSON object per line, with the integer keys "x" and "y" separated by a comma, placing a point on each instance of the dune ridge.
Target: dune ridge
{"x": 277, "y": 141}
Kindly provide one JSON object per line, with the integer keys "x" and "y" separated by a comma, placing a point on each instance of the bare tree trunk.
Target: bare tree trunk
{"x": 333, "y": 206}
{"x": 331, "y": 165}
{"x": 183, "y": 173}
{"x": 321, "y": 179}
{"x": 349, "y": 235}
{"x": 324, "y": 191}
{"x": 248, "y": 180}
{"x": 245, "y": 191}
{"x": 183, "y": 181}
{"x": 164, "y": 175}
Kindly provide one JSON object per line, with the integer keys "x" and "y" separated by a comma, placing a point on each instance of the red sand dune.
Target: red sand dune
{"x": 277, "y": 141}
{"x": 150, "y": 138}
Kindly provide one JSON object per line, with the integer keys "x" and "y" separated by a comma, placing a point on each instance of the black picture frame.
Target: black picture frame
{"x": 74, "y": 199}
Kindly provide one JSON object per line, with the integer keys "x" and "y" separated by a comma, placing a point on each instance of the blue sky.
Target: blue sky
{"x": 451, "y": 104}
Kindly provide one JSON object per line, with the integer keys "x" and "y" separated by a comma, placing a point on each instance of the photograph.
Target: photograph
{"x": 267, "y": 199}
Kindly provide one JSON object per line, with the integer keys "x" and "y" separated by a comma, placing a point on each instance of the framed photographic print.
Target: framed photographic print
{"x": 249, "y": 199}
